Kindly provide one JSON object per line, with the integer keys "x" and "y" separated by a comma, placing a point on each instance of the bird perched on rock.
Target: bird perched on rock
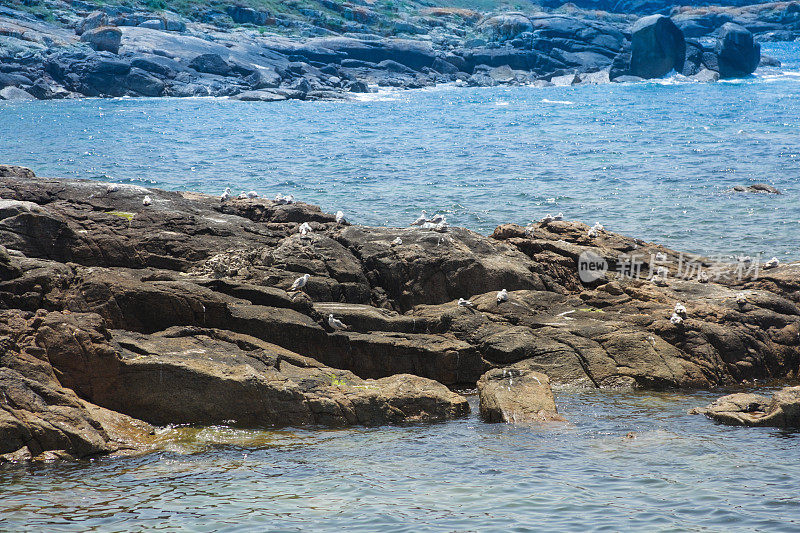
{"x": 772, "y": 263}
{"x": 502, "y": 296}
{"x": 658, "y": 281}
{"x": 397, "y": 242}
{"x": 226, "y": 195}
{"x": 438, "y": 218}
{"x": 676, "y": 319}
{"x": 559, "y": 216}
{"x": 465, "y": 303}
{"x": 305, "y": 229}
{"x": 340, "y": 217}
{"x": 595, "y": 230}
{"x": 242, "y": 196}
{"x": 300, "y": 282}
{"x": 147, "y": 200}
{"x": 741, "y": 298}
{"x": 436, "y": 226}
{"x": 335, "y": 323}
{"x": 547, "y": 219}
{"x": 423, "y": 218}
{"x": 680, "y": 310}
{"x": 252, "y": 194}
{"x": 702, "y": 277}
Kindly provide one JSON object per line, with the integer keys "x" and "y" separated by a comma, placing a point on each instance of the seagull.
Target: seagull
{"x": 658, "y": 281}
{"x": 147, "y": 200}
{"x": 335, "y": 323}
{"x": 702, "y": 277}
{"x": 502, "y": 296}
{"x": 438, "y": 218}
{"x": 243, "y": 195}
{"x": 596, "y": 229}
{"x": 252, "y": 194}
{"x": 340, "y": 217}
{"x": 465, "y": 303}
{"x": 300, "y": 282}
{"x": 559, "y": 216}
{"x": 592, "y": 233}
{"x": 547, "y": 219}
{"x": 305, "y": 229}
{"x": 397, "y": 242}
{"x": 112, "y": 188}
{"x": 772, "y": 263}
{"x": 676, "y": 319}
{"x": 279, "y": 199}
{"x": 289, "y": 198}
{"x": 680, "y": 310}
{"x": 226, "y": 195}
{"x": 741, "y": 298}
{"x": 423, "y": 218}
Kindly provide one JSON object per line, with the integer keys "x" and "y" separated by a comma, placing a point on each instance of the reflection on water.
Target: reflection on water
{"x": 679, "y": 472}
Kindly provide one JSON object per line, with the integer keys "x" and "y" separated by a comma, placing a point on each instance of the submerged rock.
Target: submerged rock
{"x": 781, "y": 410}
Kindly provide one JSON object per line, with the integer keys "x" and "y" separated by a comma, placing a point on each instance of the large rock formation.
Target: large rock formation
{"x": 188, "y": 297}
{"x": 737, "y": 52}
{"x": 657, "y": 47}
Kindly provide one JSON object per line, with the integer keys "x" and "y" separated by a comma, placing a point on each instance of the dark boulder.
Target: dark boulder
{"x": 657, "y": 47}
{"x": 246, "y": 15}
{"x": 210, "y": 64}
{"x": 103, "y": 39}
{"x": 738, "y": 54}
{"x": 140, "y": 82}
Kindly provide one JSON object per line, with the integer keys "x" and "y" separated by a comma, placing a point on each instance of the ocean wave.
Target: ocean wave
{"x": 562, "y": 102}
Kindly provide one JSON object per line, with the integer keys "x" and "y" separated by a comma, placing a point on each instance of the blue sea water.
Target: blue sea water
{"x": 654, "y": 160}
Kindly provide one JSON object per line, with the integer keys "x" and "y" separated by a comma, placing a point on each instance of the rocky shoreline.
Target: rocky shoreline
{"x": 113, "y": 51}
{"x": 122, "y": 307}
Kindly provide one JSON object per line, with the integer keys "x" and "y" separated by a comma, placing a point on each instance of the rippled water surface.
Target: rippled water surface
{"x": 652, "y": 160}
{"x": 679, "y": 473}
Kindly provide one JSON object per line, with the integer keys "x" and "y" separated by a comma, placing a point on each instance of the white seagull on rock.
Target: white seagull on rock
{"x": 335, "y": 323}
{"x": 680, "y": 310}
{"x": 300, "y": 282}
{"x": 252, "y": 194}
{"x": 340, "y": 217}
{"x": 242, "y": 195}
{"x": 741, "y": 298}
{"x": 676, "y": 319}
{"x": 305, "y": 229}
{"x": 423, "y": 218}
{"x": 465, "y": 303}
{"x": 547, "y": 219}
{"x": 226, "y": 195}
{"x": 559, "y": 216}
{"x": 438, "y": 218}
{"x": 502, "y": 296}
{"x": 397, "y": 242}
{"x": 147, "y": 200}
{"x": 772, "y": 263}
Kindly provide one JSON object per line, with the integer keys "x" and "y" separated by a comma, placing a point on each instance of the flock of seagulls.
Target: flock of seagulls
{"x": 550, "y": 218}
{"x": 437, "y": 222}
{"x": 595, "y": 230}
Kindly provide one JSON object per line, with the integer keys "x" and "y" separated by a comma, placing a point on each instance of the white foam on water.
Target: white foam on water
{"x": 562, "y": 102}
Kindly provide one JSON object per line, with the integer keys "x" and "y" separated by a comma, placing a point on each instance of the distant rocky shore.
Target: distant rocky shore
{"x": 105, "y": 50}
{"x": 122, "y": 307}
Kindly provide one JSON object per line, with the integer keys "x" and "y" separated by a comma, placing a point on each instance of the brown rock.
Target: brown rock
{"x": 516, "y": 395}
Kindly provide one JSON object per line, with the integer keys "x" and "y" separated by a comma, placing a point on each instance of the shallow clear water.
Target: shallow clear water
{"x": 652, "y": 160}
{"x": 679, "y": 473}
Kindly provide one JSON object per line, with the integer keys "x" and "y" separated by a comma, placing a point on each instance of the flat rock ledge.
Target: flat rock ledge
{"x": 744, "y": 409}
{"x": 180, "y": 310}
